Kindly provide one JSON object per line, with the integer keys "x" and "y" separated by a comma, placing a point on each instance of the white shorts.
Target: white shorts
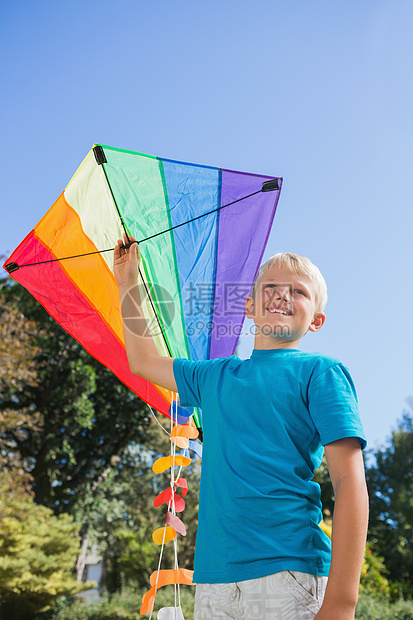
{"x": 287, "y": 595}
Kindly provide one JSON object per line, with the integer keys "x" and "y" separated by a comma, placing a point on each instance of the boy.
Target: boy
{"x": 260, "y": 553}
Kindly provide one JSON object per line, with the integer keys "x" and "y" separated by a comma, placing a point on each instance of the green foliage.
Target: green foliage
{"x": 371, "y": 607}
{"x": 390, "y": 482}
{"x": 84, "y": 416}
{"x": 88, "y": 443}
{"x": 322, "y": 477}
{"x": 122, "y": 517}
{"x": 17, "y": 351}
{"x": 124, "y": 606}
{"x": 373, "y": 572}
{"x": 17, "y": 370}
{"x": 37, "y": 553}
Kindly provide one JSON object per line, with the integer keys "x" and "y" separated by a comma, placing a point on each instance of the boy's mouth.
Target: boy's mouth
{"x": 283, "y": 311}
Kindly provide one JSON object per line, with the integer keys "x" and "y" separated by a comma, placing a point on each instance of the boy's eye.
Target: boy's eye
{"x": 299, "y": 291}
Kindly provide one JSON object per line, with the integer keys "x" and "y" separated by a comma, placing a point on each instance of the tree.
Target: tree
{"x": 17, "y": 370}
{"x": 136, "y": 554}
{"x": 73, "y": 419}
{"x": 37, "y": 554}
{"x": 373, "y": 574}
{"x": 390, "y": 482}
{"x": 91, "y": 449}
{"x": 16, "y": 350}
{"x": 322, "y": 477}
{"x": 121, "y": 515}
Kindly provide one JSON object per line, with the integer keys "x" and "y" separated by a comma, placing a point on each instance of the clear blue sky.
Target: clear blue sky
{"x": 318, "y": 92}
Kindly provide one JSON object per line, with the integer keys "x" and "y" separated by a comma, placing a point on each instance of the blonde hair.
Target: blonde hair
{"x": 301, "y": 266}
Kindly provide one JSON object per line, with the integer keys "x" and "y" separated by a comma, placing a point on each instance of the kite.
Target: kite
{"x": 197, "y": 269}
{"x": 202, "y": 233}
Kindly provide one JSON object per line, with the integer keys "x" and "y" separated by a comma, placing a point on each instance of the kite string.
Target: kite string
{"x": 157, "y": 421}
{"x": 158, "y": 571}
{"x": 171, "y": 503}
{"x": 174, "y": 421}
{"x": 164, "y": 530}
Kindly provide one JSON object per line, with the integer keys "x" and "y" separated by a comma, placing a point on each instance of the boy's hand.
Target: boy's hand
{"x": 126, "y": 261}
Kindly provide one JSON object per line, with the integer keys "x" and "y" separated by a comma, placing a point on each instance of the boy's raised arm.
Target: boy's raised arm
{"x": 144, "y": 359}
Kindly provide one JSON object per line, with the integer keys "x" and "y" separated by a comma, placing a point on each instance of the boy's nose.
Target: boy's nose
{"x": 284, "y": 296}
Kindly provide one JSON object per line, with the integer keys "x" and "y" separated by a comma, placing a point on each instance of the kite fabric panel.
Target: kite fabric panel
{"x": 197, "y": 266}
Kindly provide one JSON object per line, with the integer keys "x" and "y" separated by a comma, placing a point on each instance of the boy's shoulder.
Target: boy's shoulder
{"x": 305, "y": 366}
{"x": 317, "y": 363}
{"x": 321, "y": 359}
{"x": 295, "y": 356}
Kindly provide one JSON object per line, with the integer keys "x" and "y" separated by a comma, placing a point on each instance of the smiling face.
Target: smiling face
{"x": 283, "y": 309}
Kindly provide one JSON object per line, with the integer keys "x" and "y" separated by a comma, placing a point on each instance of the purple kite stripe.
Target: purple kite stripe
{"x": 245, "y": 224}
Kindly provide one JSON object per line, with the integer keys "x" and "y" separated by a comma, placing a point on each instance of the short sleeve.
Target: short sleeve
{"x": 190, "y": 378}
{"x": 333, "y": 406}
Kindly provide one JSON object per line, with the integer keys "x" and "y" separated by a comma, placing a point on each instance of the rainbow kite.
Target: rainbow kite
{"x": 199, "y": 256}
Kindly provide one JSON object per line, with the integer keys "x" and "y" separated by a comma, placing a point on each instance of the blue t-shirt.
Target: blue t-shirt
{"x": 265, "y": 422}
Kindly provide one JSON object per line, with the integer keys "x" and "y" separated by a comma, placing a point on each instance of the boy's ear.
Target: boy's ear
{"x": 317, "y": 322}
{"x": 249, "y": 307}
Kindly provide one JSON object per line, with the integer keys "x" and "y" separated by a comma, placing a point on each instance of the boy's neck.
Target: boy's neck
{"x": 269, "y": 344}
